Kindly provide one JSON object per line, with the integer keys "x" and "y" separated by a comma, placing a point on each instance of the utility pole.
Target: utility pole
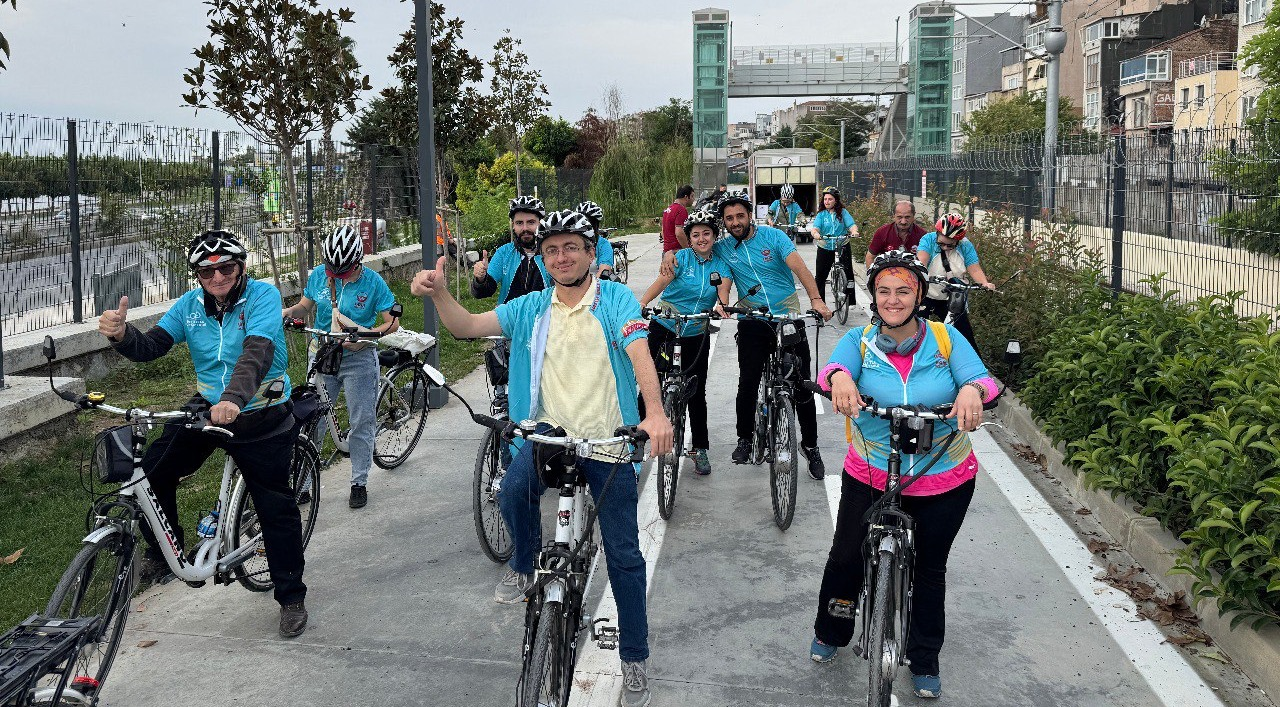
{"x": 436, "y": 397}
{"x": 842, "y": 140}
{"x": 1055, "y": 41}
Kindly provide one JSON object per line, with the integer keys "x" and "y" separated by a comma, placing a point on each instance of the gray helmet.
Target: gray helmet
{"x": 732, "y": 198}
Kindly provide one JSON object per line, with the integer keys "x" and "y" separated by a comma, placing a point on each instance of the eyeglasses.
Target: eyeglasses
{"x": 554, "y": 251}
{"x": 227, "y": 270}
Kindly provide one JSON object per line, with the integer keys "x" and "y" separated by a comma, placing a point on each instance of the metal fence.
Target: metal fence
{"x": 1199, "y": 207}
{"x": 92, "y": 209}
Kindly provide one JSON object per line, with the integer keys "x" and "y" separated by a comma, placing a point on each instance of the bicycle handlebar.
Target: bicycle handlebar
{"x": 510, "y": 429}
{"x": 197, "y": 420}
{"x": 658, "y": 313}
{"x": 764, "y": 314}
{"x": 349, "y": 335}
{"x": 889, "y": 412}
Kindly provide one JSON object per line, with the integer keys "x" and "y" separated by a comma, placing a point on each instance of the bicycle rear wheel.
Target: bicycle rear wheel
{"x": 98, "y": 582}
{"x": 490, "y": 528}
{"x": 304, "y": 476}
{"x": 304, "y": 479}
{"x": 884, "y": 649}
{"x": 669, "y": 464}
{"x": 785, "y": 448}
{"x": 838, "y": 283}
{"x": 620, "y": 266}
{"x": 544, "y": 681}
{"x": 402, "y": 414}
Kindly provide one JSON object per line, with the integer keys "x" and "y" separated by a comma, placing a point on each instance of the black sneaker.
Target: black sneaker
{"x": 742, "y": 452}
{"x": 359, "y": 497}
{"x": 817, "y": 469}
{"x": 293, "y": 618}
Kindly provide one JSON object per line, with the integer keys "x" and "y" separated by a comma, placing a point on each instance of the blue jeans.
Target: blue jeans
{"x": 522, "y": 489}
{"x": 358, "y": 377}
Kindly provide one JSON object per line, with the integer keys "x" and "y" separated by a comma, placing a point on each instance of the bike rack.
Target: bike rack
{"x": 35, "y": 648}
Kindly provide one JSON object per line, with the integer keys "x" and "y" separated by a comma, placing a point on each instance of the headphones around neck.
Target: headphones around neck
{"x": 888, "y": 344}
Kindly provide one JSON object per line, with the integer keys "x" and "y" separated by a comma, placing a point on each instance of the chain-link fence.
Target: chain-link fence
{"x": 1198, "y": 207}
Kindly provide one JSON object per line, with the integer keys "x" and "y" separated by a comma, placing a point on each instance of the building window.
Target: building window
{"x": 1035, "y": 37}
{"x": 957, "y": 92}
{"x": 1092, "y": 104}
{"x": 1138, "y": 108}
{"x": 1092, "y": 70}
{"x": 1186, "y": 99}
{"x": 1248, "y": 106}
{"x": 1099, "y": 31}
{"x": 1200, "y": 95}
{"x": 1255, "y": 10}
{"x": 956, "y": 120}
{"x": 1012, "y": 82}
{"x": 957, "y": 65}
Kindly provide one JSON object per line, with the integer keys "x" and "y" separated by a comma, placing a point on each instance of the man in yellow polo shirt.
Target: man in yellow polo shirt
{"x": 578, "y": 352}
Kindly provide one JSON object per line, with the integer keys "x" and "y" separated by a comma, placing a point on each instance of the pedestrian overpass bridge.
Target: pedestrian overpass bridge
{"x": 814, "y": 70}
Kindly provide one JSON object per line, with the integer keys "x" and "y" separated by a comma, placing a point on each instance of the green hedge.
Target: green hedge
{"x": 1174, "y": 405}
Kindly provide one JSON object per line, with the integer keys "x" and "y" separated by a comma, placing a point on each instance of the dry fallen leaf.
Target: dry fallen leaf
{"x": 10, "y": 559}
{"x": 1097, "y": 546}
{"x": 1083, "y": 511}
{"x": 146, "y": 644}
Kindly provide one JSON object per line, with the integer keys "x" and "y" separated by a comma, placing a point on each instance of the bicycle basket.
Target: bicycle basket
{"x": 113, "y": 455}
{"x": 495, "y": 362}
{"x": 329, "y": 358}
{"x": 956, "y": 302}
{"x": 551, "y": 461}
{"x": 306, "y": 404}
{"x": 792, "y": 333}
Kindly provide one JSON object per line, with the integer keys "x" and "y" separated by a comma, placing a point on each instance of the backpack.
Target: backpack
{"x": 944, "y": 347}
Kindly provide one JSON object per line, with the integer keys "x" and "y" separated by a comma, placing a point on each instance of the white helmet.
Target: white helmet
{"x": 788, "y": 191}
{"x": 342, "y": 250}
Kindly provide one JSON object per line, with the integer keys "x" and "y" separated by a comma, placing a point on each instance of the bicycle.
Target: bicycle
{"x": 401, "y": 412}
{"x": 838, "y": 281}
{"x": 774, "y": 437}
{"x": 889, "y": 550}
{"x": 99, "y": 582}
{"x": 676, "y": 390}
{"x": 619, "y": 256}
{"x": 492, "y": 458}
{"x": 564, "y": 569}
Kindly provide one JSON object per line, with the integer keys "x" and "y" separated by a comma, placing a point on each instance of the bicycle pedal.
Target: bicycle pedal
{"x": 606, "y": 637}
{"x": 842, "y": 608}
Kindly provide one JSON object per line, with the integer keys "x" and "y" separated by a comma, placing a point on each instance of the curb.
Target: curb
{"x": 1257, "y": 653}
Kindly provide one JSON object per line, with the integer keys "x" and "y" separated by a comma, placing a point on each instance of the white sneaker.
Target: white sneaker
{"x": 635, "y": 681}
{"x": 512, "y": 588}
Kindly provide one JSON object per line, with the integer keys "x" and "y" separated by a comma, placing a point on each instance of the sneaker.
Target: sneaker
{"x": 926, "y": 685}
{"x": 293, "y": 620}
{"x": 742, "y": 452}
{"x": 817, "y": 469}
{"x": 359, "y": 497}
{"x": 820, "y": 652}
{"x": 153, "y": 570}
{"x": 635, "y": 684}
{"x": 512, "y": 588}
{"x": 701, "y": 464}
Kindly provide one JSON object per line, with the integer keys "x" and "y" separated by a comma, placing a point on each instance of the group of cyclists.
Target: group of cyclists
{"x": 582, "y": 358}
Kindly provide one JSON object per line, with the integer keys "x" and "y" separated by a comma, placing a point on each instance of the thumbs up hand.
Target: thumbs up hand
{"x": 429, "y": 283}
{"x": 481, "y": 268}
{"x": 111, "y": 323}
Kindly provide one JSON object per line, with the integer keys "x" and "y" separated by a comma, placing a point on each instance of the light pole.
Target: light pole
{"x": 1055, "y": 41}
{"x": 436, "y": 397}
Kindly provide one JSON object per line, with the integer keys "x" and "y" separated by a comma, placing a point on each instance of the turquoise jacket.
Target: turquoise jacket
{"x": 503, "y": 265}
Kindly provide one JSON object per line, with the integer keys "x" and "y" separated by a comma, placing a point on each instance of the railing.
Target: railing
{"x": 1213, "y": 61}
{"x": 813, "y": 54}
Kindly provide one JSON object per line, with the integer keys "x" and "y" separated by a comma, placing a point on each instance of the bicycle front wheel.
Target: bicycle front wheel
{"x": 402, "y": 414}
{"x": 785, "y": 448}
{"x": 884, "y": 650}
{"x": 98, "y": 582}
{"x": 838, "y": 283}
{"x": 669, "y": 464}
{"x": 620, "y": 266}
{"x": 545, "y": 681}
{"x": 490, "y": 528}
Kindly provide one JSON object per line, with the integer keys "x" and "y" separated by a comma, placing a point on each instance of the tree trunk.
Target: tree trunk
{"x": 519, "y": 191}
{"x": 271, "y": 258}
{"x": 291, "y": 189}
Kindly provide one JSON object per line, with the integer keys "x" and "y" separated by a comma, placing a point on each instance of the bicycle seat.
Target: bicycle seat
{"x": 619, "y": 244}
{"x": 393, "y": 357}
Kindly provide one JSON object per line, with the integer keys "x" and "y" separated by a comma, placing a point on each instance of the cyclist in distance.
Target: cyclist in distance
{"x": 898, "y": 360}
{"x": 689, "y": 291}
{"x": 831, "y": 223}
{"x": 948, "y": 254}
{"x": 902, "y": 233}
{"x": 763, "y": 256}
{"x": 784, "y": 210}
{"x": 515, "y": 268}
{"x": 361, "y": 295}
{"x": 578, "y": 352}
{"x": 232, "y": 327}
{"x": 604, "y": 249}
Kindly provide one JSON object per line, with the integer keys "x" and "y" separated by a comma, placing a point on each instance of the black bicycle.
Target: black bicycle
{"x": 492, "y": 458}
{"x": 774, "y": 436}
{"x": 677, "y": 387}
{"x": 619, "y": 256}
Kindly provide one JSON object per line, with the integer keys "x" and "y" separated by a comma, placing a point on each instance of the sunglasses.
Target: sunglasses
{"x": 227, "y": 270}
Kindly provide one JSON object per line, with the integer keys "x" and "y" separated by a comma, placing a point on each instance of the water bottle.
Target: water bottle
{"x": 208, "y": 525}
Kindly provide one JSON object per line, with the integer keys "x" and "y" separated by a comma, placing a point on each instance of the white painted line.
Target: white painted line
{"x": 833, "y": 484}
{"x": 597, "y": 678}
{"x": 1165, "y": 670}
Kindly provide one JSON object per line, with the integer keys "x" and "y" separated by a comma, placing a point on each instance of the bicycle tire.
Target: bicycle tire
{"x": 668, "y": 466}
{"x": 882, "y": 653}
{"x": 304, "y": 477}
{"x": 544, "y": 673}
{"x": 401, "y": 416}
{"x": 785, "y": 449}
{"x": 495, "y": 540}
{"x": 838, "y": 283}
{"x": 760, "y": 430}
{"x": 620, "y": 267}
{"x": 98, "y": 582}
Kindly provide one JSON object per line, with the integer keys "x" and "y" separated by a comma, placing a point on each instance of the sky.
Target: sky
{"x": 123, "y": 60}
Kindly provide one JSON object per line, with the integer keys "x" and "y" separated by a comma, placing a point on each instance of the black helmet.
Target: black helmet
{"x": 531, "y": 204}
{"x": 732, "y": 198}
{"x": 212, "y": 247}
{"x": 832, "y": 191}
{"x": 702, "y": 218}
{"x": 896, "y": 259}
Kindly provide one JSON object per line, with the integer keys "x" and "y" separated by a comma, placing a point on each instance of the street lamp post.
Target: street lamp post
{"x": 436, "y": 397}
{"x": 1055, "y": 41}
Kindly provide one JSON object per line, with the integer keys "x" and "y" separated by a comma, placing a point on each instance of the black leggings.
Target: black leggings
{"x": 756, "y": 341}
{"x": 695, "y": 355}
{"x": 938, "y": 519}
{"x": 826, "y": 258}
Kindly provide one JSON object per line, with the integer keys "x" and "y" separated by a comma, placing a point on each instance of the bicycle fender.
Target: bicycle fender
{"x": 100, "y": 533}
{"x": 433, "y": 375}
{"x": 888, "y": 544}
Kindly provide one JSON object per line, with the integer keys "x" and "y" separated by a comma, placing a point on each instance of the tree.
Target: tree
{"x": 594, "y": 135}
{"x": 991, "y": 126}
{"x": 4, "y": 43}
{"x": 551, "y": 140}
{"x": 518, "y": 92}
{"x": 671, "y": 124}
{"x": 264, "y": 73}
{"x": 821, "y": 130}
{"x": 1263, "y": 52}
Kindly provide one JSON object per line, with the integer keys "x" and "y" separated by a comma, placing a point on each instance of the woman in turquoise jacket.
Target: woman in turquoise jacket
{"x": 898, "y": 360}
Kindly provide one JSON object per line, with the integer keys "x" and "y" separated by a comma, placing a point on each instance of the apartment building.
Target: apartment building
{"x": 1251, "y": 15}
{"x": 1148, "y": 87}
{"x": 1206, "y": 94}
{"x": 978, "y": 46}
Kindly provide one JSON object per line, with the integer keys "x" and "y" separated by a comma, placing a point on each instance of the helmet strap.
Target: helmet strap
{"x": 576, "y": 283}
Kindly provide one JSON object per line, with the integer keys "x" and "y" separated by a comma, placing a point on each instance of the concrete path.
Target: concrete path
{"x": 402, "y": 610}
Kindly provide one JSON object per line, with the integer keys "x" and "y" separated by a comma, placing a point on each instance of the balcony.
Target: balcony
{"x": 1214, "y": 61}
{"x": 1149, "y": 67}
